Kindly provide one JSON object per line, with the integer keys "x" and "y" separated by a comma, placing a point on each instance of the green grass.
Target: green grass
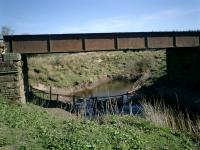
{"x": 30, "y": 127}
{"x": 76, "y": 69}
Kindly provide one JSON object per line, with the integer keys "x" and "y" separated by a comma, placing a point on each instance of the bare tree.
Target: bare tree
{"x": 6, "y": 30}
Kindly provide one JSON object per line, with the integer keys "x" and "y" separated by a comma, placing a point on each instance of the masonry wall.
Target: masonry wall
{"x": 11, "y": 78}
{"x": 183, "y": 66}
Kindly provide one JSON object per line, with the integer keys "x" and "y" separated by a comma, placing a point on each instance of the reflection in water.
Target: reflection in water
{"x": 111, "y": 88}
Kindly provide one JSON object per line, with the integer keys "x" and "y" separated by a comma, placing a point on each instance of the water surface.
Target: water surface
{"x": 110, "y": 88}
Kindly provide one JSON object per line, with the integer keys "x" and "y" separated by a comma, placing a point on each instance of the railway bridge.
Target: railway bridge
{"x": 182, "y": 49}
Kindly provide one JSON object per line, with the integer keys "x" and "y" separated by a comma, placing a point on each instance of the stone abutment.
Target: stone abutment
{"x": 11, "y": 78}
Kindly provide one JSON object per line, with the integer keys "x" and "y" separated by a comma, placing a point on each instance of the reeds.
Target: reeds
{"x": 165, "y": 116}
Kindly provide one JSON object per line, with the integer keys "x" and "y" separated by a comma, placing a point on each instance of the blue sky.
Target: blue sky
{"x": 82, "y": 16}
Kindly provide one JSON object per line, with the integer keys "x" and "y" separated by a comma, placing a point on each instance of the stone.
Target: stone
{"x": 11, "y": 79}
{"x": 9, "y": 57}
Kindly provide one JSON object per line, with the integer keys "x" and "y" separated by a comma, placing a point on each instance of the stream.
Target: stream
{"x": 111, "y": 88}
{"x": 103, "y": 93}
{"x": 112, "y": 97}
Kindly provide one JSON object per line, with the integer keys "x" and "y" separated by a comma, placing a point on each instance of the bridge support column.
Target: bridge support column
{"x": 183, "y": 67}
{"x": 11, "y": 78}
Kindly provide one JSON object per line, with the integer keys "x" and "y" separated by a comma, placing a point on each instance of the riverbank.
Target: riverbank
{"x": 76, "y": 72}
{"x": 71, "y": 89}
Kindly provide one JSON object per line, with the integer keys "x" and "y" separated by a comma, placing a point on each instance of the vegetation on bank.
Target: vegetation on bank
{"x": 30, "y": 127}
{"x": 85, "y": 68}
{"x": 164, "y": 115}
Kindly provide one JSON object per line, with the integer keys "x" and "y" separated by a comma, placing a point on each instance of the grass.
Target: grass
{"x": 85, "y": 68}
{"x": 176, "y": 119}
{"x": 30, "y": 127}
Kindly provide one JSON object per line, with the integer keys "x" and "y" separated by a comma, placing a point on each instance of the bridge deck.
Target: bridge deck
{"x": 55, "y": 43}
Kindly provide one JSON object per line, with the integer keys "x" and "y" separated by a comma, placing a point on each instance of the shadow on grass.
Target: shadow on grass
{"x": 185, "y": 98}
{"x": 46, "y": 103}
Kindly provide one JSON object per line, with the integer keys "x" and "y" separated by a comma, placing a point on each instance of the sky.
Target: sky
{"x": 88, "y": 16}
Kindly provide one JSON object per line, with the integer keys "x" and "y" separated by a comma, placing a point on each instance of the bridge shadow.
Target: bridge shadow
{"x": 46, "y": 103}
{"x": 179, "y": 97}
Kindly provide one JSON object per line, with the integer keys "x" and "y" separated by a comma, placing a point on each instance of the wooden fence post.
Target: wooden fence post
{"x": 95, "y": 105}
{"x": 73, "y": 104}
{"x": 130, "y": 105}
{"x": 50, "y": 93}
{"x": 57, "y": 97}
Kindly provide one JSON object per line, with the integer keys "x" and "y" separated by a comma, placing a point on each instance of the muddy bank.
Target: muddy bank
{"x": 136, "y": 81}
{"x": 74, "y": 89}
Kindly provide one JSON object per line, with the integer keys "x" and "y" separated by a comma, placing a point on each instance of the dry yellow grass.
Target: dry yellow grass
{"x": 74, "y": 69}
{"x": 165, "y": 116}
